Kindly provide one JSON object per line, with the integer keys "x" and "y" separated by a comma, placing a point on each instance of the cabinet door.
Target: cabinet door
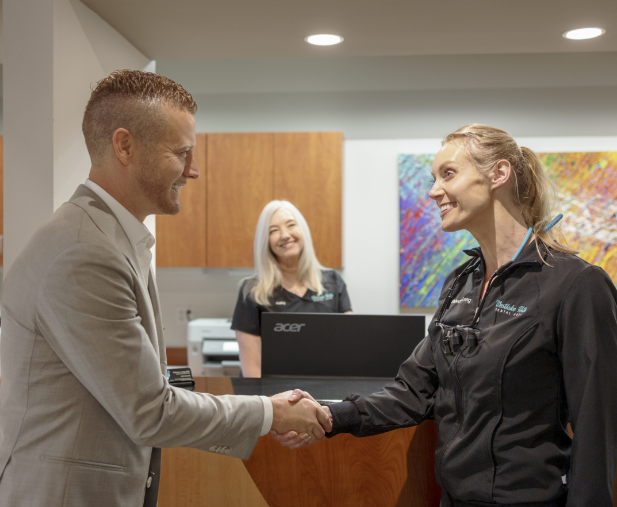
{"x": 308, "y": 173}
{"x": 181, "y": 238}
{"x": 240, "y": 184}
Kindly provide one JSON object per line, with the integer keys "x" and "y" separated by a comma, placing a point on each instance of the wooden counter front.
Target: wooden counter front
{"x": 393, "y": 469}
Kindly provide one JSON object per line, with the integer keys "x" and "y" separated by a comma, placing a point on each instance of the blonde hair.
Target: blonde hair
{"x": 131, "y": 99}
{"x": 532, "y": 191}
{"x": 268, "y": 274}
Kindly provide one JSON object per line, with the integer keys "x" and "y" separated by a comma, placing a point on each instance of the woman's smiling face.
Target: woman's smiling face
{"x": 286, "y": 239}
{"x": 460, "y": 191}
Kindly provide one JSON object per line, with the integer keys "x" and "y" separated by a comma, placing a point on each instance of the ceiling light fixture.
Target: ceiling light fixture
{"x": 584, "y": 33}
{"x": 324, "y": 39}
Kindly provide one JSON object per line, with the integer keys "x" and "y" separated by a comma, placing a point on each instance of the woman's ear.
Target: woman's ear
{"x": 500, "y": 174}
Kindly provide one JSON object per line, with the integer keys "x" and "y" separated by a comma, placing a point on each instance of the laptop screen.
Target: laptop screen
{"x": 337, "y": 345}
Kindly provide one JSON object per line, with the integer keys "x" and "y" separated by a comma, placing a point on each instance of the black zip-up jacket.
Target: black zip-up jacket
{"x": 546, "y": 355}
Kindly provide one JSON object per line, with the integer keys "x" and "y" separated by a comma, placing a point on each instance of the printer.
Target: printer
{"x": 212, "y": 348}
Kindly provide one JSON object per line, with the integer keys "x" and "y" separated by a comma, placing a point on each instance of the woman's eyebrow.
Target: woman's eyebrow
{"x": 441, "y": 167}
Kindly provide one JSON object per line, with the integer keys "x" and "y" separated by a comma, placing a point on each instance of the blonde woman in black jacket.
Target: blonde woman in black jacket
{"x": 524, "y": 342}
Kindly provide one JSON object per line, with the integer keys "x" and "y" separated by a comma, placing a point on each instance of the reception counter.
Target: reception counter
{"x": 393, "y": 469}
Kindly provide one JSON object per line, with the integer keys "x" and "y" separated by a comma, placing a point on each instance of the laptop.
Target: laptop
{"x": 337, "y": 345}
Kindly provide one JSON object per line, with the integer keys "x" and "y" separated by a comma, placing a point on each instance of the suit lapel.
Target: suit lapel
{"x": 107, "y": 222}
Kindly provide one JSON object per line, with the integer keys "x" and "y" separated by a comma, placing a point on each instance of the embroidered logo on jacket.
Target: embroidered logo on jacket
{"x": 323, "y": 297}
{"x": 508, "y": 309}
{"x": 462, "y": 300}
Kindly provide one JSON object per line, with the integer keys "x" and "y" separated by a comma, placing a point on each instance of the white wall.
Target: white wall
{"x": 577, "y": 111}
{"x": 405, "y": 97}
{"x": 392, "y": 73}
{"x": 371, "y": 220}
{"x": 53, "y": 53}
{"x": 86, "y": 49}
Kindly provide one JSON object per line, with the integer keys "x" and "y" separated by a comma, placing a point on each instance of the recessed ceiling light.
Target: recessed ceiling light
{"x": 584, "y": 33}
{"x": 324, "y": 39}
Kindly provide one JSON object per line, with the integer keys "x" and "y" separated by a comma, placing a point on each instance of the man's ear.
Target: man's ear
{"x": 500, "y": 173}
{"x": 124, "y": 145}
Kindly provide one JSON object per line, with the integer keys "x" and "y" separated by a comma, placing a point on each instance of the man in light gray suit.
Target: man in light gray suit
{"x": 84, "y": 397}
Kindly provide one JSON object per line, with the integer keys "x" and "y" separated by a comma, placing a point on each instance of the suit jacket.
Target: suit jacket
{"x": 84, "y": 395}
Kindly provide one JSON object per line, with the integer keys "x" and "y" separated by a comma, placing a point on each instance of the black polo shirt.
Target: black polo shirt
{"x": 247, "y": 315}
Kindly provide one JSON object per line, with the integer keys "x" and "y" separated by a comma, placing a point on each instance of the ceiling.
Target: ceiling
{"x": 218, "y": 29}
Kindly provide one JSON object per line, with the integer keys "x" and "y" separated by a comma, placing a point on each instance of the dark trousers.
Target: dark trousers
{"x": 152, "y": 491}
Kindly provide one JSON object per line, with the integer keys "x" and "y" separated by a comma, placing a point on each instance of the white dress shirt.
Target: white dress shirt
{"x": 139, "y": 236}
{"x": 142, "y": 241}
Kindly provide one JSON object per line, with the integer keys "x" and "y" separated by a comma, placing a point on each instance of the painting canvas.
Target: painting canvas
{"x": 586, "y": 184}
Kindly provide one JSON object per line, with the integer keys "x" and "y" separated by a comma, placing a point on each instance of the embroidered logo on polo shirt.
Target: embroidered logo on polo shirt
{"x": 280, "y": 303}
{"x": 323, "y": 297}
{"x": 509, "y": 309}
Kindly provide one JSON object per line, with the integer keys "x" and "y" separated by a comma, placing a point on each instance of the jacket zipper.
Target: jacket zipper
{"x": 480, "y": 307}
{"x": 459, "y": 398}
{"x": 461, "y": 405}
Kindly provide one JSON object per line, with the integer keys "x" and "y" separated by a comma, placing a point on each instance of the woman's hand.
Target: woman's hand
{"x": 292, "y": 439}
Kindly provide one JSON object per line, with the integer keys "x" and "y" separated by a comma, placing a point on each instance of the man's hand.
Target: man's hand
{"x": 294, "y": 439}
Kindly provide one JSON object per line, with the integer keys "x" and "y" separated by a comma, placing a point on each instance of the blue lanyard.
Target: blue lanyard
{"x": 474, "y": 265}
{"x": 529, "y": 231}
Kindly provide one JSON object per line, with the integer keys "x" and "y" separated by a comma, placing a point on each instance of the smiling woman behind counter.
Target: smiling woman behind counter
{"x": 288, "y": 278}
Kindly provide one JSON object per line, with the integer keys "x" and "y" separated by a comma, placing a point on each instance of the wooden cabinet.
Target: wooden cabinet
{"x": 240, "y": 174}
{"x": 240, "y": 184}
{"x": 181, "y": 238}
{"x": 307, "y": 172}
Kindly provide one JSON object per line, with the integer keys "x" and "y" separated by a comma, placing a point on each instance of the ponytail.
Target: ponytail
{"x": 532, "y": 191}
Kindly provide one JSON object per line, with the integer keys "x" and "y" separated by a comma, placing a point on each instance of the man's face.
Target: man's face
{"x": 166, "y": 167}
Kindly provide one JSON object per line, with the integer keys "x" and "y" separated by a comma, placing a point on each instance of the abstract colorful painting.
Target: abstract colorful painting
{"x": 586, "y": 185}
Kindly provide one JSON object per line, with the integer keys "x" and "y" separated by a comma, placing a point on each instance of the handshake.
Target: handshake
{"x": 298, "y": 420}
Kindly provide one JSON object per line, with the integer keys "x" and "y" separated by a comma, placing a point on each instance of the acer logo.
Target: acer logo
{"x": 288, "y": 328}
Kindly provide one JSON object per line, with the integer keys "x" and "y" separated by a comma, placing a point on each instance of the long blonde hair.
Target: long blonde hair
{"x": 268, "y": 274}
{"x": 532, "y": 191}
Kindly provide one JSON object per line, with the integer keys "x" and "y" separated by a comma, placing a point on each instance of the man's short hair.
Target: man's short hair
{"x": 133, "y": 100}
